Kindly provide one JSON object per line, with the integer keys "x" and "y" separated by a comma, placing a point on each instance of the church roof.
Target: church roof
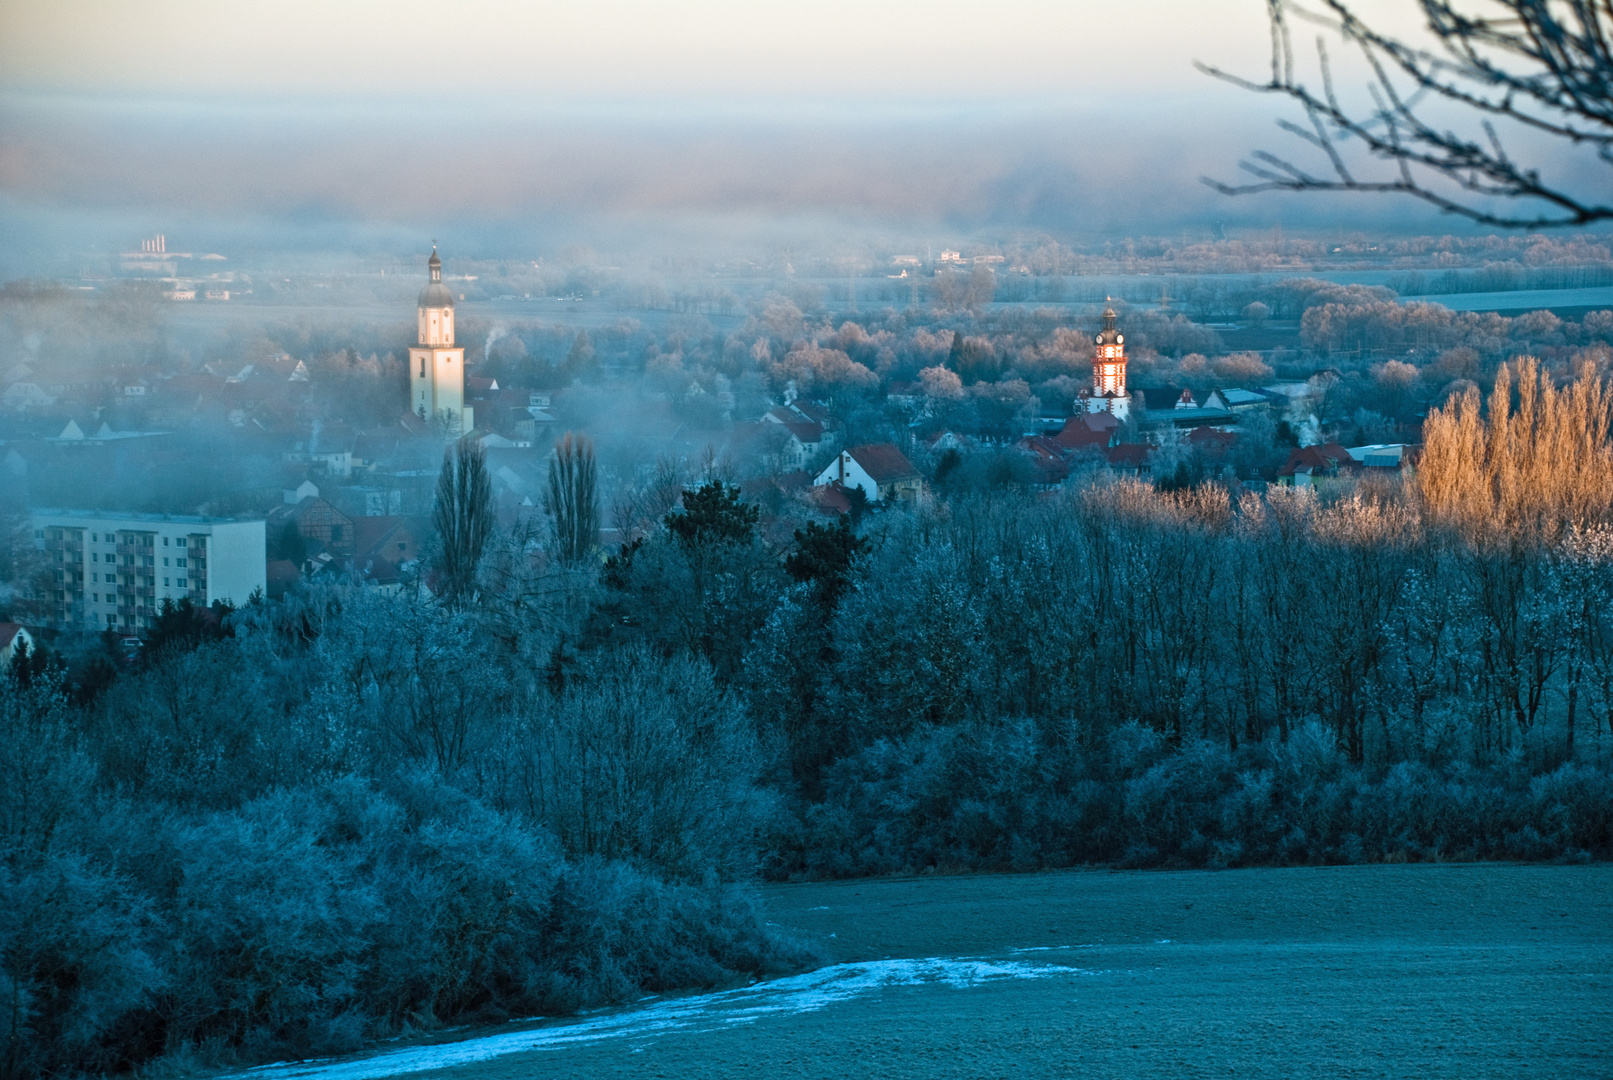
{"x": 436, "y": 295}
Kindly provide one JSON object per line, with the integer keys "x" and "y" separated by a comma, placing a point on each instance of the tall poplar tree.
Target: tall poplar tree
{"x": 463, "y": 516}
{"x": 573, "y": 500}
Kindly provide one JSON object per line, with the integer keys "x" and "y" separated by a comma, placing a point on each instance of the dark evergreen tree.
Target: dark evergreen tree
{"x": 823, "y": 556}
{"x": 715, "y": 514}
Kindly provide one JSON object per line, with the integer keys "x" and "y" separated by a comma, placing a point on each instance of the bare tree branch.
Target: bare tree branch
{"x": 1546, "y": 65}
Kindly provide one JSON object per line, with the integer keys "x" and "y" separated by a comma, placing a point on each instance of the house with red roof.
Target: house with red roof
{"x": 1051, "y": 459}
{"x": 1213, "y": 443}
{"x": 1098, "y": 429}
{"x": 1130, "y": 459}
{"x": 881, "y": 470}
{"x": 1308, "y": 464}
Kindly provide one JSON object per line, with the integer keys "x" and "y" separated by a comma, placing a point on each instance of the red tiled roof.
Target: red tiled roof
{"x": 1129, "y": 455}
{"x": 1211, "y": 440}
{"x": 814, "y": 411}
{"x": 883, "y": 462}
{"x": 371, "y": 532}
{"x": 1042, "y": 447}
{"x": 830, "y": 498}
{"x": 1087, "y": 429}
{"x": 1327, "y": 457}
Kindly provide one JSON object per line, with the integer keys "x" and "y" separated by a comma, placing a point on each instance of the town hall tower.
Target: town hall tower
{"x": 1109, "y": 371}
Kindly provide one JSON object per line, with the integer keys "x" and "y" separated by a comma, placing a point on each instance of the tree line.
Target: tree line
{"x": 548, "y": 775}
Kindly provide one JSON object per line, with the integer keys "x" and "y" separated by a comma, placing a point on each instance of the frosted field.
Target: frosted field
{"x": 1389, "y": 971}
{"x": 1522, "y": 300}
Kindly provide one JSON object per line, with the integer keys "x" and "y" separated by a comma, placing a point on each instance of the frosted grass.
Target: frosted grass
{"x": 1588, "y": 296}
{"x": 796, "y": 994}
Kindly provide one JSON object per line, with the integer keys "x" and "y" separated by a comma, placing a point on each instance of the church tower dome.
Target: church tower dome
{"x": 435, "y": 294}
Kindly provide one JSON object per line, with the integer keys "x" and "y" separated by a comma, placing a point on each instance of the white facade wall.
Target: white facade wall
{"x": 849, "y": 474}
{"x": 237, "y": 561}
{"x": 437, "y": 386}
{"x": 113, "y": 570}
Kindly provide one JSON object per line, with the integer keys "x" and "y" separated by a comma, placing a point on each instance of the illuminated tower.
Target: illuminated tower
{"x": 1109, "y": 371}
{"x": 436, "y": 367}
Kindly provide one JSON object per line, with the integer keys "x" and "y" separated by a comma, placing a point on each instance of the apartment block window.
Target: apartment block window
{"x": 165, "y": 541}
{"x": 182, "y": 583}
{"x": 179, "y": 562}
{"x": 95, "y": 577}
{"x": 165, "y": 560}
{"x": 181, "y": 541}
{"x": 165, "y": 583}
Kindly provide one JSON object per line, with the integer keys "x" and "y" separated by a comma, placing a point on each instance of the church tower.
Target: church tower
{"x": 1109, "y": 371}
{"x": 436, "y": 366}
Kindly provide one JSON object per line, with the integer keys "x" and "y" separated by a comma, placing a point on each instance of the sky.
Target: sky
{"x": 515, "y": 125}
{"x": 398, "y": 49}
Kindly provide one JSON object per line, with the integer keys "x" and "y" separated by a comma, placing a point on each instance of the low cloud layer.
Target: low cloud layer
{"x": 1091, "y": 172}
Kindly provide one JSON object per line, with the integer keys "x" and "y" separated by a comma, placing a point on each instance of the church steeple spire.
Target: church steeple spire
{"x": 436, "y": 306}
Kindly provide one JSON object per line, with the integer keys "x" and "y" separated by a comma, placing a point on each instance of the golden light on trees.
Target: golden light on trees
{"x": 1543, "y": 464}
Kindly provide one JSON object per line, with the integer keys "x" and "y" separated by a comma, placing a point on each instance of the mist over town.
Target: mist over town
{"x": 921, "y": 540}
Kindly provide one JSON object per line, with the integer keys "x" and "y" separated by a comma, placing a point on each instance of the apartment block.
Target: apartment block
{"x": 113, "y": 570}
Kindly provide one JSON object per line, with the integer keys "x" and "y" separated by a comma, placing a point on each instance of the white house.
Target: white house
{"x": 881, "y": 470}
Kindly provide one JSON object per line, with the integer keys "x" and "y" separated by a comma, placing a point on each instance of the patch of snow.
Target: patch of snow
{"x": 796, "y": 994}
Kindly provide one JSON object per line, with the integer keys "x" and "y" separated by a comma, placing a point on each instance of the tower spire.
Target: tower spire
{"x": 434, "y": 264}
